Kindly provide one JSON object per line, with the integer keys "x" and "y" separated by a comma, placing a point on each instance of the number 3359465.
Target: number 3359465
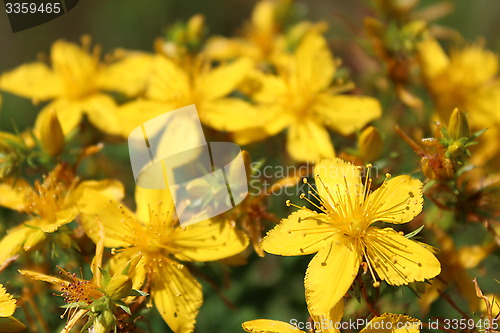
{"x": 31, "y": 7}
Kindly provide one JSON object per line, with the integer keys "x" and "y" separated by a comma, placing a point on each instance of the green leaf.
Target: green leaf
{"x": 105, "y": 277}
{"x": 414, "y": 232}
{"x": 136, "y": 292}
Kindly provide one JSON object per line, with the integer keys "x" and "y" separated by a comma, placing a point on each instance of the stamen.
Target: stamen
{"x": 376, "y": 283}
{"x": 303, "y": 196}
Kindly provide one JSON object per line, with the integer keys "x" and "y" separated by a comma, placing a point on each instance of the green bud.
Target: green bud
{"x": 119, "y": 287}
{"x": 458, "y": 126}
{"x": 104, "y": 322}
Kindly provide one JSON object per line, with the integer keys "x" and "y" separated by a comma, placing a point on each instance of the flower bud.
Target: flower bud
{"x": 458, "y": 127}
{"x": 119, "y": 287}
{"x": 63, "y": 240}
{"x": 195, "y": 27}
{"x": 370, "y": 144}
{"x": 34, "y": 240}
{"x": 104, "y": 322}
{"x": 51, "y": 133}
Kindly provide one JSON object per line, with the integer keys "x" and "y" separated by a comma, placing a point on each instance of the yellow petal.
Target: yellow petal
{"x": 128, "y": 75}
{"x": 337, "y": 180}
{"x": 7, "y": 303}
{"x": 229, "y": 114}
{"x": 325, "y": 283}
{"x": 269, "y": 326}
{"x": 10, "y": 324}
{"x": 64, "y": 216}
{"x": 473, "y": 66}
{"x": 432, "y": 57}
{"x": 152, "y": 201}
{"x": 72, "y": 62}
{"x": 113, "y": 189}
{"x": 392, "y": 323}
{"x": 68, "y": 112}
{"x": 222, "y": 80}
{"x": 494, "y": 300}
{"x": 34, "y": 80}
{"x": 347, "y": 113}
{"x": 208, "y": 240}
{"x": 302, "y": 232}
{"x": 263, "y": 18}
{"x": 34, "y": 240}
{"x": 102, "y": 113}
{"x": 314, "y": 62}
{"x": 118, "y": 221}
{"x": 13, "y": 193}
{"x": 45, "y": 278}
{"x": 177, "y": 295}
{"x": 13, "y": 242}
{"x": 168, "y": 82}
{"x": 471, "y": 256}
{"x": 308, "y": 141}
{"x": 397, "y": 259}
{"x": 135, "y": 113}
{"x": 398, "y": 200}
{"x": 330, "y": 319}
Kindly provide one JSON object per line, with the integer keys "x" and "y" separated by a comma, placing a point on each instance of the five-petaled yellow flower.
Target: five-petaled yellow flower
{"x": 154, "y": 235}
{"x": 302, "y": 99}
{"x": 75, "y": 83}
{"x": 51, "y": 205}
{"x": 343, "y": 235}
{"x": 172, "y": 86}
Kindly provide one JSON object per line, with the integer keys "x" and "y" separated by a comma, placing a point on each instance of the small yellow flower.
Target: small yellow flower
{"x": 154, "y": 236}
{"x": 7, "y": 309}
{"x": 173, "y": 86}
{"x": 260, "y": 38}
{"x": 302, "y": 99}
{"x": 466, "y": 79}
{"x": 51, "y": 204}
{"x": 75, "y": 83}
{"x": 343, "y": 235}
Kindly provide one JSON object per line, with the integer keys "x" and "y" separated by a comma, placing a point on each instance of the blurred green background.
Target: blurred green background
{"x": 270, "y": 287}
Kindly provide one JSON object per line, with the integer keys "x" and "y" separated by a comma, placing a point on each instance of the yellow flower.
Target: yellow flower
{"x": 75, "y": 83}
{"x": 51, "y": 204}
{"x": 154, "y": 235}
{"x": 173, "y": 86}
{"x": 343, "y": 235}
{"x": 466, "y": 79}
{"x": 260, "y": 36}
{"x": 7, "y": 309}
{"x": 302, "y": 99}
